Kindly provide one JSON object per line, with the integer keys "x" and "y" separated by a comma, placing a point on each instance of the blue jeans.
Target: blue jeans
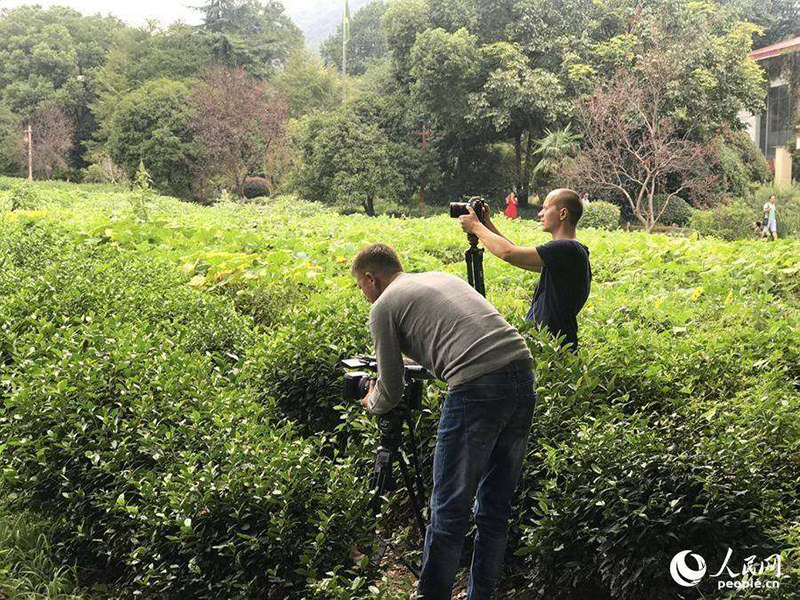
{"x": 480, "y": 447}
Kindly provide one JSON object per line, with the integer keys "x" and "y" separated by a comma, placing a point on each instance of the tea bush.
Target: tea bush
{"x": 298, "y": 365}
{"x": 24, "y": 196}
{"x": 171, "y": 400}
{"x": 124, "y": 424}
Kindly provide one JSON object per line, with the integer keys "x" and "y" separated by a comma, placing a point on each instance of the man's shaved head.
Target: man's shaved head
{"x": 569, "y": 199}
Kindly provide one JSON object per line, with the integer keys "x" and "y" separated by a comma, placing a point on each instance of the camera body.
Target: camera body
{"x": 360, "y": 370}
{"x": 477, "y": 203}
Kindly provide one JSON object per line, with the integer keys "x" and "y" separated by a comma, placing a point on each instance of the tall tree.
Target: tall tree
{"x": 54, "y": 55}
{"x": 251, "y": 34}
{"x": 367, "y": 40}
{"x": 153, "y": 124}
{"x": 307, "y": 86}
{"x": 519, "y": 102}
{"x": 402, "y": 22}
{"x": 632, "y": 147}
{"x": 237, "y": 123}
{"x": 53, "y": 138}
{"x": 778, "y": 18}
{"x": 345, "y": 160}
{"x": 12, "y": 146}
{"x": 137, "y": 56}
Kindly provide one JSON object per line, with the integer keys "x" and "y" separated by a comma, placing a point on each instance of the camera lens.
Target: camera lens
{"x": 458, "y": 209}
{"x": 356, "y": 385}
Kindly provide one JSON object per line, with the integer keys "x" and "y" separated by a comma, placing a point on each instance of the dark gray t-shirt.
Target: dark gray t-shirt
{"x": 443, "y": 324}
{"x": 563, "y": 287}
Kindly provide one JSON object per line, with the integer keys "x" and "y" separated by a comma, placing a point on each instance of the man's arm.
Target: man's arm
{"x": 491, "y": 227}
{"x": 388, "y": 390}
{"x": 524, "y": 258}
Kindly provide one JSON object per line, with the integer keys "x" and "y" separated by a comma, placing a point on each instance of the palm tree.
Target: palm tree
{"x": 552, "y": 149}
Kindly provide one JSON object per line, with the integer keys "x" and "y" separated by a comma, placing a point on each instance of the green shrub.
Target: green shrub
{"x": 729, "y": 221}
{"x": 297, "y": 364}
{"x": 124, "y": 422}
{"x": 104, "y": 171}
{"x": 737, "y": 162}
{"x": 599, "y": 214}
{"x": 613, "y": 482}
{"x": 678, "y": 212}
{"x": 24, "y": 197}
{"x": 255, "y": 187}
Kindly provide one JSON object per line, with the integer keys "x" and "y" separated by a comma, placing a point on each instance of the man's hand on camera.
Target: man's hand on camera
{"x": 470, "y": 222}
{"x": 369, "y": 393}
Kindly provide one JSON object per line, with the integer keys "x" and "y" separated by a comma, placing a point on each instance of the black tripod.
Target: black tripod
{"x": 474, "y": 259}
{"x": 390, "y": 452}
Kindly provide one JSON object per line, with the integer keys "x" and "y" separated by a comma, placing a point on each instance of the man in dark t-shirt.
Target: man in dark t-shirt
{"x": 563, "y": 262}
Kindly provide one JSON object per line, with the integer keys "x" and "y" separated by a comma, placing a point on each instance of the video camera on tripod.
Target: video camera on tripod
{"x": 391, "y": 447}
{"x": 356, "y": 383}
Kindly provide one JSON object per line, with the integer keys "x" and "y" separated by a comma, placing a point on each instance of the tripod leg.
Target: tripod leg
{"x": 381, "y": 478}
{"x": 477, "y": 259}
{"x": 415, "y": 460}
{"x": 412, "y": 494}
{"x": 470, "y": 267}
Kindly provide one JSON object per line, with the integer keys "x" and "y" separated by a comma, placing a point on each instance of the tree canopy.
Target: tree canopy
{"x": 367, "y": 40}
{"x": 249, "y": 33}
{"x": 153, "y": 125}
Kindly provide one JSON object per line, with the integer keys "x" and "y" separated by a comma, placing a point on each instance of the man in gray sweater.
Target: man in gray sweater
{"x": 443, "y": 324}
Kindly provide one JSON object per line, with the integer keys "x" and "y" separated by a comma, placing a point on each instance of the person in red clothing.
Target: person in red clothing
{"x": 511, "y": 206}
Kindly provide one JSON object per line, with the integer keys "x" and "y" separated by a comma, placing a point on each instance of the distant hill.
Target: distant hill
{"x": 319, "y": 18}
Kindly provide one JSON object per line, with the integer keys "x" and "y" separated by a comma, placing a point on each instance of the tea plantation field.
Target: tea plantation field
{"x": 171, "y": 423}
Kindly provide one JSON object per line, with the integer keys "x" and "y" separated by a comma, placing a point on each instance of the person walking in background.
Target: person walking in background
{"x": 770, "y": 222}
{"x": 511, "y": 206}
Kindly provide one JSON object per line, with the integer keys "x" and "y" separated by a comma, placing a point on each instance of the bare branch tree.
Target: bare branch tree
{"x": 238, "y": 122}
{"x": 53, "y": 138}
{"x": 632, "y": 146}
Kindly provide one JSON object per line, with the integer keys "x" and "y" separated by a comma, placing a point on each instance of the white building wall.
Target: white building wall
{"x": 750, "y": 122}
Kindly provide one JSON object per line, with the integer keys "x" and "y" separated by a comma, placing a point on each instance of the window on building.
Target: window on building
{"x": 776, "y": 121}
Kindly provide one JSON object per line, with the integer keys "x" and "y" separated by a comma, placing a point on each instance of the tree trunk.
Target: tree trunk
{"x": 651, "y": 213}
{"x": 518, "y": 176}
{"x": 369, "y": 206}
{"x": 526, "y": 172}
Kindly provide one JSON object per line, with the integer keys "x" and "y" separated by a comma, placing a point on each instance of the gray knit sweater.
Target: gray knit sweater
{"x": 443, "y": 324}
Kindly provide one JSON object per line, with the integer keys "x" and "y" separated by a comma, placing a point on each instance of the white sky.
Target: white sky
{"x": 135, "y": 12}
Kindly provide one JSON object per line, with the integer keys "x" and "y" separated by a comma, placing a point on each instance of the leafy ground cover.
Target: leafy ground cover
{"x": 172, "y": 420}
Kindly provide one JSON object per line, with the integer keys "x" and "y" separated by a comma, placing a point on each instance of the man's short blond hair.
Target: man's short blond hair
{"x": 377, "y": 258}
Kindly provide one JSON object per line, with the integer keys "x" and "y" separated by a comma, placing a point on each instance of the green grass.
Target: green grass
{"x": 28, "y": 569}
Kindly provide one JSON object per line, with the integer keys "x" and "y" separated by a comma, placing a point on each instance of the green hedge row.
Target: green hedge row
{"x": 124, "y": 423}
{"x": 134, "y": 402}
